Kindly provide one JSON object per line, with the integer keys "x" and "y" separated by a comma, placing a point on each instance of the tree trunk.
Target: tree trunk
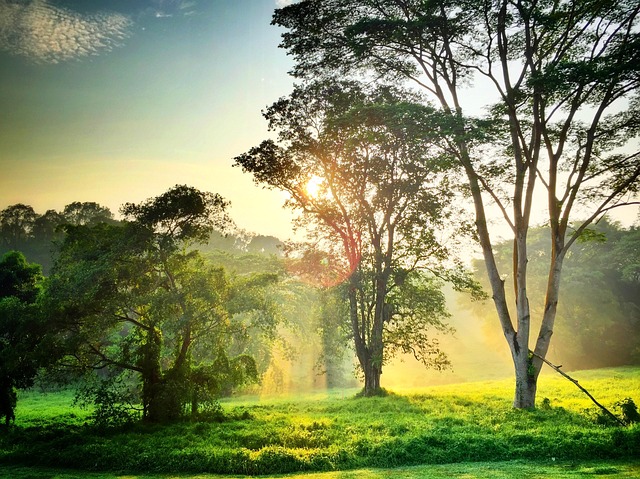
{"x": 551, "y": 300}
{"x": 372, "y": 372}
{"x": 151, "y": 377}
{"x": 151, "y": 392}
{"x": 369, "y": 355}
{"x": 526, "y": 381}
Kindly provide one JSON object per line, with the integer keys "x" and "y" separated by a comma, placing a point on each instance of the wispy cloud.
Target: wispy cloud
{"x": 284, "y": 3}
{"x": 46, "y": 33}
{"x": 169, "y": 8}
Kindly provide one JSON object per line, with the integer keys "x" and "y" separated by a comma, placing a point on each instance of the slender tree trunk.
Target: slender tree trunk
{"x": 151, "y": 377}
{"x": 525, "y": 390}
{"x": 550, "y": 305}
{"x": 369, "y": 355}
{"x": 526, "y": 381}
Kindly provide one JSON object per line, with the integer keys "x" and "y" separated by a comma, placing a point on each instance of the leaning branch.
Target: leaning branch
{"x": 574, "y": 381}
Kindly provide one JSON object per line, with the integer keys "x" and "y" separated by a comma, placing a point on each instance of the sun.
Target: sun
{"x": 313, "y": 186}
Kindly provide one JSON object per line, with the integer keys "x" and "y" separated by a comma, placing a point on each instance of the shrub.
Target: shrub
{"x": 629, "y": 410}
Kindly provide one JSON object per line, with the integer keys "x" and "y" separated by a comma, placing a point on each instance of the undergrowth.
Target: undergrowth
{"x": 337, "y": 431}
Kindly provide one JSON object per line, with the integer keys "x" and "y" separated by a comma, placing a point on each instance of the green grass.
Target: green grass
{"x": 37, "y": 409}
{"x": 471, "y": 422}
{"x": 492, "y": 470}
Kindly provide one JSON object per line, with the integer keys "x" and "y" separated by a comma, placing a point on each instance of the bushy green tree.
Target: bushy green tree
{"x": 134, "y": 297}
{"x": 16, "y": 226}
{"x": 24, "y": 345}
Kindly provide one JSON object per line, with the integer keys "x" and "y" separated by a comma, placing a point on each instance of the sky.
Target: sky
{"x": 116, "y": 101}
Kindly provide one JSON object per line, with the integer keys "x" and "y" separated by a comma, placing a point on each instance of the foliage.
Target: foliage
{"x": 335, "y": 431}
{"x": 85, "y": 213}
{"x": 22, "y": 229}
{"x": 134, "y": 299}
{"x": 16, "y": 225}
{"x": 564, "y": 84}
{"x": 309, "y": 341}
{"x": 110, "y": 400}
{"x": 18, "y": 278}
{"x": 629, "y": 410}
{"x": 613, "y": 469}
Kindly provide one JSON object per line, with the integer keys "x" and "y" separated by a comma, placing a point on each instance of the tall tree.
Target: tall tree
{"x": 373, "y": 191}
{"x": 85, "y": 213}
{"x": 563, "y": 80}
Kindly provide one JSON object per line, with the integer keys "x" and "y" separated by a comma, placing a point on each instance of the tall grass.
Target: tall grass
{"x": 336, "y": 431}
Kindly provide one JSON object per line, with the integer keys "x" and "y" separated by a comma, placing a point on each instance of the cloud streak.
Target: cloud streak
{"x": 170, "y": 8}
{"x": 45, "y": 33}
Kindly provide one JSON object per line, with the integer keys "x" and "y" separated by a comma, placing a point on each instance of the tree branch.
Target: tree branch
{"x": 574, "y": 381}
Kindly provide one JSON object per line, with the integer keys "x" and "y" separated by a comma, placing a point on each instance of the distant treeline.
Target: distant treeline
{"x": 598, "y": 322}
{"x": 35, "y": 235}
{"x": 22, "y": 229}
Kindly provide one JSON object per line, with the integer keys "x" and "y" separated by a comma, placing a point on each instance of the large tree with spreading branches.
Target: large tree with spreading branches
{"x": 135, "y": 299}
{"x": 560, "y": 83}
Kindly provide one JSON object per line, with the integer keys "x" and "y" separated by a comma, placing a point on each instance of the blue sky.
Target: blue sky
{"x": 117, "y": 100}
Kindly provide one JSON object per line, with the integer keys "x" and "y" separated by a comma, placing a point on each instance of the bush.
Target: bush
{"x": 629, "y": 411}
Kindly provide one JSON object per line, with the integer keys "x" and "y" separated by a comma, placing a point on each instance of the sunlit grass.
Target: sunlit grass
{"x": 37, "y": 408}
{"x": 333, "y": 431}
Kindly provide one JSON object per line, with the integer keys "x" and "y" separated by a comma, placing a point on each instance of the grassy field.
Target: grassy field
{"x": 467, "y": 430}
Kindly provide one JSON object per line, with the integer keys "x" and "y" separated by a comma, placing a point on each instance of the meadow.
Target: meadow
{"x": 418, "y": 433}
